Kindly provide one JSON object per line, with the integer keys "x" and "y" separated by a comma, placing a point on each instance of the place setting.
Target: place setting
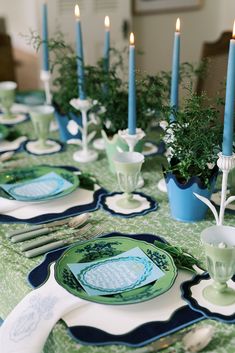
{"x": 134, "y": 264}
{"x": 44, "y": 193}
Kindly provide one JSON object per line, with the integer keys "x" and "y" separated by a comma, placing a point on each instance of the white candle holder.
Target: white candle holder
{"x": 84, "y": 155}
{"x": 45, "y": 77}
{"x": 225, "y": 164}
{"x": 131, "y": 141}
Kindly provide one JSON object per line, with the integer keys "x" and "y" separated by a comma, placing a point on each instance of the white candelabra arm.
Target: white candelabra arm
{"x": 229, "y": 200}
{"x": 225, "y": 164}
{"x": 131, "y": 140}
{"x": 45, "y": 77}
{"x": 210, "y": 205}
{"x": 85, "y": 154}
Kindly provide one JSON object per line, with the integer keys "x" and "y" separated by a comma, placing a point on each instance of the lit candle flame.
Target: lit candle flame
{"x": 107, "y": 22}
{"x": 132, "y": 39}
{"x": 234, "y": 29}
{"x": 77, "y": 11}
{"x": 177, "y": 27}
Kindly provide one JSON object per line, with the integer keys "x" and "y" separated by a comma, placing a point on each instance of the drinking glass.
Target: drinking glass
{"x": 41, "y": 117}
{"x": 128, "y": 166}
{"x": 219, "y": 245}
{"x": 7, "y": 97}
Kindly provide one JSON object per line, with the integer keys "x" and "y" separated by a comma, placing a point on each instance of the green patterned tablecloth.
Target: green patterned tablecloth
{"x": 14, "y": 267}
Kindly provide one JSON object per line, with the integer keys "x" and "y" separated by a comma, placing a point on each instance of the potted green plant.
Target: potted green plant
{"x": 193, "y": 140}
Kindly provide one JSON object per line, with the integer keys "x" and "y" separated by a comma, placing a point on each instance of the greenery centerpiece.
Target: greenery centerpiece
{"x": 193, "y": 140}
{"x": 108, "y": 90}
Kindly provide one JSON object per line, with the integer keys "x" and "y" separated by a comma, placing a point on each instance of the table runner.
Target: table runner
{"x": 14, "y": 267}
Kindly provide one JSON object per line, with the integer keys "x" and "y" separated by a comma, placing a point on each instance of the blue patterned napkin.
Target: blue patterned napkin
{"x": 126, "y": 271}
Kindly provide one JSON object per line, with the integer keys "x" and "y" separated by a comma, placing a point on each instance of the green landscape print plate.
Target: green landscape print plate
{"x": 30, "y": 175}
{"x": 98, "y": 249}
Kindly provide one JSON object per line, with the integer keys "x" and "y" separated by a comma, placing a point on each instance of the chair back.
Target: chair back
{"x": 216, "y": 53}
{"x": 7, "y": 70}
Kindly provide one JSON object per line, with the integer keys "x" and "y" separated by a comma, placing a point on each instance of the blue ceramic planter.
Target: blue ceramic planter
{"x": 62, "y": 121}
{"x": 184, "y": 205}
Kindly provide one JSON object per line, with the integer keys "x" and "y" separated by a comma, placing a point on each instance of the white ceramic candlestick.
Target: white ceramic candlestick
{"x": 84, "y": 155}
{"x": 226, "y": 164}
{"x": 131, "y": 141}
{"x": 45, "y": 77}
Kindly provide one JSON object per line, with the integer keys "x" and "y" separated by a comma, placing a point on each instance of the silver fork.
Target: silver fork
{"x": 58, "y": 244}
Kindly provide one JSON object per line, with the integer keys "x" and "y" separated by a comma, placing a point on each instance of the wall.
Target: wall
{"x": 20, "y": 16}
{"x": 154, "y": 33}
{"x": 227, "y": 14}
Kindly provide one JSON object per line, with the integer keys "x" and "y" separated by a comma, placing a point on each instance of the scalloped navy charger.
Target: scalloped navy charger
{"x": 140, "y": 336}
{"x": 194, "y": 305}
{"x": 151, "y": 205}
{"x": 49, "y": 217}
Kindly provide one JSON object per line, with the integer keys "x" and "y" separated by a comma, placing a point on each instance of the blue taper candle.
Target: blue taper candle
{"x": 175, "y": 69}
{"x": 132, "y": 89}
{"x": 45, "y": 51}
{"x": 80, "y": 57}
{"x": 106, "y": 43}
{"x": 229, "y": 100}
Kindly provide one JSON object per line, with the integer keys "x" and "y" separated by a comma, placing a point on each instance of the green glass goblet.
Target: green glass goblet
{"x": 7, "y": 97}
{"x": 128, "y": 166}
{"x": 219, "y": 245}
{"x": 41, "y": 117}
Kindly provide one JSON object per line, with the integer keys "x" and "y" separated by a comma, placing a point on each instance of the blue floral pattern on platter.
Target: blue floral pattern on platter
{"x": 141, "y": 335}
{"x": 153, "y": 205}
{"x": 187, "y": 295}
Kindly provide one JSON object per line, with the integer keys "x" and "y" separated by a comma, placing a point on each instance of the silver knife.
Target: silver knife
{"x": 45, "y": 248}
{"x": 54, "y": 237}
{"x": 33, "y": 234}
{"x": 55, "y": 245}
{"x": 40, "y": 226}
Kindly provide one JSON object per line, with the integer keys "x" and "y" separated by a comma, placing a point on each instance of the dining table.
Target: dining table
{"x": 15, "y": 267}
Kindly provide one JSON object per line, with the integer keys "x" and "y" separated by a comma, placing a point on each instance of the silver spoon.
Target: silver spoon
{"x": 198, "y": 338}
{"x": 72, "y": 223}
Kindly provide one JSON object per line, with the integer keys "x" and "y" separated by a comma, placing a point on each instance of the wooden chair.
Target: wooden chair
{"x": 217, "y": 55}
{"x": 7, "y": 64}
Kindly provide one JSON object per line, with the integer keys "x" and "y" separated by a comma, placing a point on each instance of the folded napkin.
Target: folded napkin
{"x": 27, "y": 327}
